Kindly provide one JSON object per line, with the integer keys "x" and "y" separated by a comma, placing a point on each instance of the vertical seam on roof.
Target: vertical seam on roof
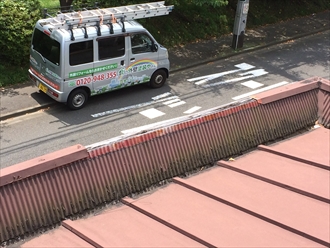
{"x": 226, "y": 165}
{"x": 129, "y": 202}
{"x": 247, "y": 211}
{"x": 286, "y": 155}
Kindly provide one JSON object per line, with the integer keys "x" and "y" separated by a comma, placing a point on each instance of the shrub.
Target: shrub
{"x": 17, "y": 19}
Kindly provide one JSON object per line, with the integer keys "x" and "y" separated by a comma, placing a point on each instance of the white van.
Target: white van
{"x": 77, "y": 55}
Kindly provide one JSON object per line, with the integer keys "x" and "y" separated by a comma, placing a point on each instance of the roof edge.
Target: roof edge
{"x": 292, "y": 89}
{"x": 42, "y": 164}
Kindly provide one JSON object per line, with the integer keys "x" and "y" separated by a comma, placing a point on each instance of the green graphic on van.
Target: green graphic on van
{"x": 129, "y": 76}
{"x": 139, "y": 66}
{"x": 93, "y": 70}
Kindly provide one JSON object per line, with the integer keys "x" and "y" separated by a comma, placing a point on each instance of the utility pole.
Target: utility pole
{"x": 240, "y": 23}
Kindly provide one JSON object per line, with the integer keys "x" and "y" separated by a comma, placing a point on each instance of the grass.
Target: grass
{"x": 11, "y": 75}
{"x": 50, "y": 4}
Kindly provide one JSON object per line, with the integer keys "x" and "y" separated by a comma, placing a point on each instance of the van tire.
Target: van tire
{"x": 77, "y": 99}
{"x": 158, "y": 79}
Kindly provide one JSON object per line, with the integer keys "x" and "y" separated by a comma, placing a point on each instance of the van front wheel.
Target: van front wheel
{"x": 77, "y": 99}
{"x": 158, "y": 79}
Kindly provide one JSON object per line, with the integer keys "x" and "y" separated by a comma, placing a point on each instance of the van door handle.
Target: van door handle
{"x": 122, "y": 62}
{"x": 132, "y": 59}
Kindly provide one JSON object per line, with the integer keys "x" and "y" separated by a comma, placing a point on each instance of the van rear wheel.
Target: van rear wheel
{"x": 77, "y": 99}
{"x": 158, "y": 79}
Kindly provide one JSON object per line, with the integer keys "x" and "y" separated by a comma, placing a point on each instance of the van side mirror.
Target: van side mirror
{"x": 154, "y": 47}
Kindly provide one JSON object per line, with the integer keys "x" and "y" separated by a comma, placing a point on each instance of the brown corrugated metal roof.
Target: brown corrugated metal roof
{"x": 275, "y": 196}
{"x": 34, "y": 197}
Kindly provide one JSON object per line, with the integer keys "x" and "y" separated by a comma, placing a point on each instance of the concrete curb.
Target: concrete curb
{"x": 26, "y": 111}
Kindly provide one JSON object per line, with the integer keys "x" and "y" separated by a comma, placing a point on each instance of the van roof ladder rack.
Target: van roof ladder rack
{"x": 107, "y": 16}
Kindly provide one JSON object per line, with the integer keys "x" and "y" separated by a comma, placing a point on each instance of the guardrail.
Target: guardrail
{"x": 41, "y": 192}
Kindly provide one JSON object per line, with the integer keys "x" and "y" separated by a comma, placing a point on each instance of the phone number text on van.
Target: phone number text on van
{"x": 92, "y": 79}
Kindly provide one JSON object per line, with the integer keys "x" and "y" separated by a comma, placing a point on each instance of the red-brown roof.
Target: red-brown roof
{"x": 275, "y": 196}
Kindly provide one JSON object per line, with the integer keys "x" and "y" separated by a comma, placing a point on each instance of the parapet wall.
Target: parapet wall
{"x": 43, "y": 191}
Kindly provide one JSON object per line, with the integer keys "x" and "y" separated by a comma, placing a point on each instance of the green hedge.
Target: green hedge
{"x": 17, "y": 19}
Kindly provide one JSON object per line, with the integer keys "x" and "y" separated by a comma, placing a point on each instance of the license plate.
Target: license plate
{"x": 42, "y": 88}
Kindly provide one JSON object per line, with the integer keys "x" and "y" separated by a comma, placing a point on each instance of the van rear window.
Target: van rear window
{"x": 46, "y": 46}
{"x": 81, "y": 52}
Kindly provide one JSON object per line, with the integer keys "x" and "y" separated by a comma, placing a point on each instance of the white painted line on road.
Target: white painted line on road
{"x": 252, "y": 84}
{"x": 172, "y": 101}
{"x": 260, "y": 90}
{"x": 212, "y": 76}
{"x": 118, "y": 110}
{"x": 192, "y": 110}
{"x": 207, "y": 78}
{"x": 156, "y": 99}
{"x": 137, "y": 129}
{"x": 251, "y": 74}
{"x": 176, "y": 104}
{"x": 256, "y": 73}
{"x": 152, "y": 113}
{"x": 146, "y": 127}
{"x": 154, "y": 125}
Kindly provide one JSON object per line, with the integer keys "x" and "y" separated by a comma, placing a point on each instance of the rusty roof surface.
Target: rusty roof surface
{"x": 275, "y": 196}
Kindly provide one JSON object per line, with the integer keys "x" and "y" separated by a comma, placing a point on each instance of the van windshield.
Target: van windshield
{"x": 46, "y": 46}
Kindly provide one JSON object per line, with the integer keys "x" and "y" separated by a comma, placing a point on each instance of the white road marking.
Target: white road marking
{"x": 153, "y": 125}
{"x": 260, "y": 90}
{"x": 156, "y": 99}
{"x": 244, "y": 66}
{"x": 171, "y": 101}
{"x": 118, "y": 110}
{"x": 207, "y": 78}
{"x": 256, "y": 73}
{"x": 176, "y": 104}
{"x": 192, "y": 110}
{"x": 252, "y": 84}
{"x": 152, "y": 113}
{"x": 251, "y": 74}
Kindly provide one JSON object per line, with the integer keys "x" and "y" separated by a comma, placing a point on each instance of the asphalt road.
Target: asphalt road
{"x": 187, "y": 92}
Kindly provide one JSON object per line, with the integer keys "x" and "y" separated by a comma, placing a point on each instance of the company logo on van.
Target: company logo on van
{"x": 138, "y": 66}
{"x": 52, "y": 73}
{"x": 92, "y": 70}
{"x": 33, "y": 60}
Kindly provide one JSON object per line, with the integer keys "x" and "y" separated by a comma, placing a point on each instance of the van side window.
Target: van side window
{"x": 111, "y": 47}
{"x": 141, "y": 43}
{"x": 81, "y": 52}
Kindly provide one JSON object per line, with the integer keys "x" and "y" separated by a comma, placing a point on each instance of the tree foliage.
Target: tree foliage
{"x": 214, "y": 3}
{"x": 113, "y": 3}
{"x": 17, "y": 19}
